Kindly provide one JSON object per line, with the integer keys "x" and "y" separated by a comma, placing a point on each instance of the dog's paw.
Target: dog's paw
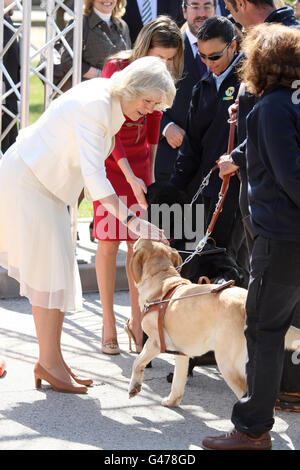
{"x": 134, "y": 390}
{"x": 171, "y": 402}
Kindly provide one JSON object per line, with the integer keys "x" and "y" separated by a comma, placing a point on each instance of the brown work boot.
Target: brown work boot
{"x": 236, "y": 440}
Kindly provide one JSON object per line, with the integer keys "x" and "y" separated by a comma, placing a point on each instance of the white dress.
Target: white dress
{"x": 35, "y": 238}
{"x": 43, "y": 173}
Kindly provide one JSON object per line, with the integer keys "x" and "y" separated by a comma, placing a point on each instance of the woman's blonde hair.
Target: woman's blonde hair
{"x": 117, "y": 12}
{"x": 273, "y": 57}
{"x": 143, "y": 77}
{"x": 161, "y": 32}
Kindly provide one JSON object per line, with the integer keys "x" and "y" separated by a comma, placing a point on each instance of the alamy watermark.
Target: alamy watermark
{"x": 296, "y": 353}
{"x": 296, "y": 94}
{"x": 177, "y": 221}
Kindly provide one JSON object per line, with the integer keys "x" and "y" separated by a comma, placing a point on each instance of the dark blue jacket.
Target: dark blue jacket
{"x": 285, "y": 16}
{"x": 207, "y": 132}
{"x": 273, "y": 164}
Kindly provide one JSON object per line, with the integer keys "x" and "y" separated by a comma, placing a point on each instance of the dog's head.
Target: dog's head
{"x": 150, "y": 257}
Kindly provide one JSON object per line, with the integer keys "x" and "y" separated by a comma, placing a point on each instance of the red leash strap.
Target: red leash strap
{"x": 225, "y": 183}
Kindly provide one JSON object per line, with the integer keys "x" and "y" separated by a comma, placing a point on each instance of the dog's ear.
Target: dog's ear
{"x": 136, "y": 265}
{"x": 176, "y": 258}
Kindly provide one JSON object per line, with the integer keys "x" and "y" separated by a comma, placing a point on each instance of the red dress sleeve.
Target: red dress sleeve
{"x": 109, "y": 69}
{"x": 153, "y": 127}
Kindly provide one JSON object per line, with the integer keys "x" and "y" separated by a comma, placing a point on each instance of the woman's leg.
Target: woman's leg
{"x": 106, "y": 275}
{"x": 135, "y": 318}
{"x": 48, "y": 324}
{"x": 80, "y": 380}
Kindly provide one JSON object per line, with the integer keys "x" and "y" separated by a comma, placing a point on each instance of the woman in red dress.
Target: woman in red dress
{"x": 130, "y": 168}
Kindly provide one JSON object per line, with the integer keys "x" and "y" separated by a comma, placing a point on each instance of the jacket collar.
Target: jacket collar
{"x": 95, "y": 20}
{"x": 117, "y": 116}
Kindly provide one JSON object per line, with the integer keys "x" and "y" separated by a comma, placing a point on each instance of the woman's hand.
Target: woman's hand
{"x": 143, "y": 229}
{"x": 139, "y": 190}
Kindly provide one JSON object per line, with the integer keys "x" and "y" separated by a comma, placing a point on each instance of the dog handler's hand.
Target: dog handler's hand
{"x": 144, "y": 229}
{"x": 232, "y": 111}
{"x": 226, "y": 166}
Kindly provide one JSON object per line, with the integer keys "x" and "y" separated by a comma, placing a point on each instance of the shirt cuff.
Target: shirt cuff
{"x": 166, "y": 127}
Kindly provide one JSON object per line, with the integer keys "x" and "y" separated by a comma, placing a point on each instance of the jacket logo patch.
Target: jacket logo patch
{"x": 229, "y": 93}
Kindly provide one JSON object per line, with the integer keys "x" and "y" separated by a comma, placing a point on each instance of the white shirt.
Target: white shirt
{"x": 104, "y": 16}
{"x": 153, "y": 7}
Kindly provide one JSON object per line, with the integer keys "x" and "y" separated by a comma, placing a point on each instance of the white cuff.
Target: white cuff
{"x": 166, "y": 127}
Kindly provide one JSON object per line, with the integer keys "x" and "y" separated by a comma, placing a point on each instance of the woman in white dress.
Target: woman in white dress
{"x": 44, "y": 172}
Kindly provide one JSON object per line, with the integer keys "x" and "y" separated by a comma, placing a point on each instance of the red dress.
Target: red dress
{"x": 132, "y": 142}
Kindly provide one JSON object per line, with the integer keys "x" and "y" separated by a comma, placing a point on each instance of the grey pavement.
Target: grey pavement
{"x": 105, "y": 418}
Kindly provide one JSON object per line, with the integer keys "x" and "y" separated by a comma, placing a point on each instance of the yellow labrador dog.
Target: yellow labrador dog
{"x": 193, "y": 324}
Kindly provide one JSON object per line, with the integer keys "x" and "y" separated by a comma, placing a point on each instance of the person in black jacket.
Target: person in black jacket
{"x": 174, "y": 119}
{"x": 207, "y": 132}
{"x": 251, "y": 13}
{"x": 133, "y": 14}
{"x": 273, "y": 155}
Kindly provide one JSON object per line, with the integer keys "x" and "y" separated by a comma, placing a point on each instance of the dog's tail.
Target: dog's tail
{"x": 292, "y": 339}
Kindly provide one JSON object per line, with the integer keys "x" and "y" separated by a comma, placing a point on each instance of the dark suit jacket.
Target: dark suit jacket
{"x": 132, "y": 16}
{"x": 166, "y": 155}
{"x": 221, "y": 4}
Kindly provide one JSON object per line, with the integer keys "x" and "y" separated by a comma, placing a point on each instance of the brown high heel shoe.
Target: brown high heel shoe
{"x": 79, "y": 380}
{"x": 110, "y": 347}
{"x": 41, "y": 374}
{"x": 138, "y": 347}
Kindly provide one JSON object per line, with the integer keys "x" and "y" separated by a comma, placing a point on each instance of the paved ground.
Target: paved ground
{"x": 105, "y": 418}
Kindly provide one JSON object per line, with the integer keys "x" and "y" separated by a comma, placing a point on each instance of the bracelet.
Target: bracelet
{"x": 128, "y": 219}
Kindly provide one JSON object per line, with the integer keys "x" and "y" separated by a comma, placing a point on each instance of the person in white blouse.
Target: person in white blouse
{"x": 44, "y": 172}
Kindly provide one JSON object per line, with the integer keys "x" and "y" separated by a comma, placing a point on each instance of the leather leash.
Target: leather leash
{"x": 225, "y": 183}
{"x": 219, "y": 205}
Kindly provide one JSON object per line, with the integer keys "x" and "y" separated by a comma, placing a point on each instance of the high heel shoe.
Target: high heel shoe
{"x": 110, "y": 347}
{"x": 79, "y": 380}
{"x": 41, "y": 374}
{"x": 138, "y": 347}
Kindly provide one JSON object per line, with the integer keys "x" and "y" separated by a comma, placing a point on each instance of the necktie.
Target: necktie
{"x": 201, "y": 66}
{"x": 146, "y": 12}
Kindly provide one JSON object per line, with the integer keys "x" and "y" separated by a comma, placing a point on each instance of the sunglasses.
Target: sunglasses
{"x": 215, "y": 57}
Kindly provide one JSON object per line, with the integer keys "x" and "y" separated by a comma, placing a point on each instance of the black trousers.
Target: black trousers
{"x": 272, "y": 302}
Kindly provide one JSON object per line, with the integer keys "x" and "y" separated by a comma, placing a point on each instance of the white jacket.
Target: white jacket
{"x": 67, "y": 146}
